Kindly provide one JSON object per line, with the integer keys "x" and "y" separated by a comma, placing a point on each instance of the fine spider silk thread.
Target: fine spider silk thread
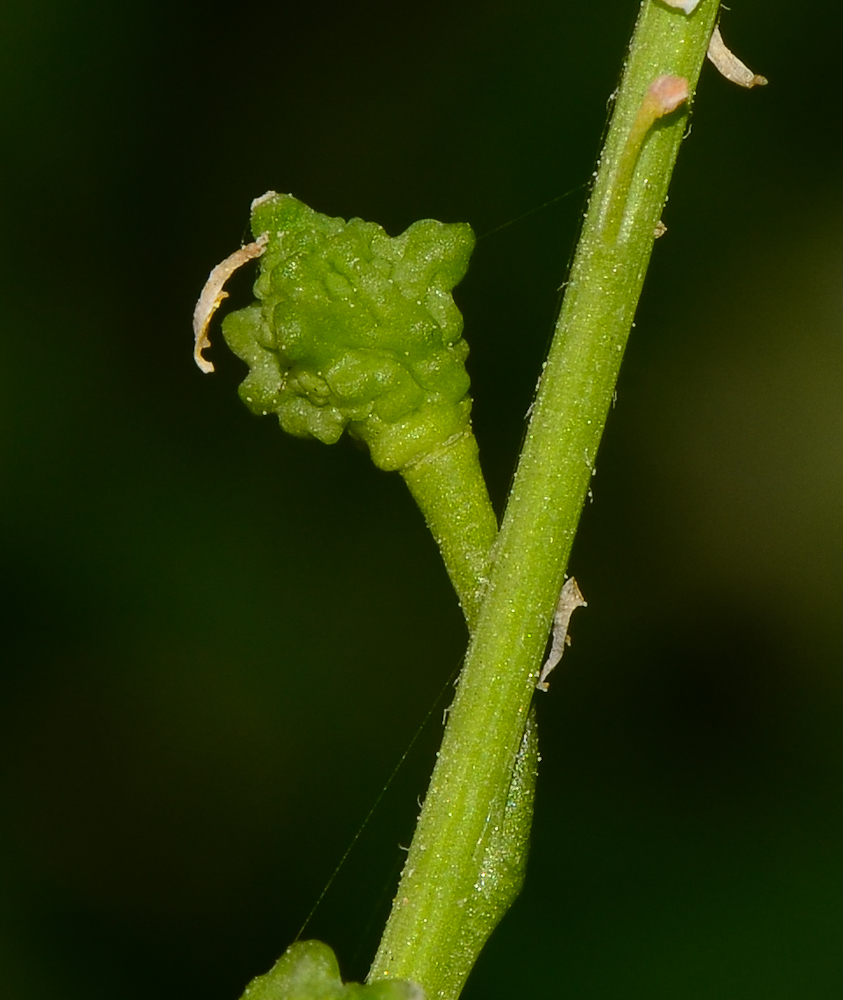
{"x": 534, "y": 211}
{"x": 378, "y": 799}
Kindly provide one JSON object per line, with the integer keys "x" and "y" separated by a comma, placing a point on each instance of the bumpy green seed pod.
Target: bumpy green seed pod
{"x": 355, "y": 329}
{"x": 308, "y": 970}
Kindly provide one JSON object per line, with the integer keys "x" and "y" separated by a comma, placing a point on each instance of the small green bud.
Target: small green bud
{"x": 308, "y": 970}
{"x": 355, "y": 329}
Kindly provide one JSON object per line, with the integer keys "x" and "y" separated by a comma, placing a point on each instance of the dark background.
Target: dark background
{"x": 218, "y": 641}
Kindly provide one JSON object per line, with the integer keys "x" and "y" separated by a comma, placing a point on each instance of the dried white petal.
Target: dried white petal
{"x": 685, "y": 5}
{"x": 213, "y": 294}
{"x": 729, "y": 65}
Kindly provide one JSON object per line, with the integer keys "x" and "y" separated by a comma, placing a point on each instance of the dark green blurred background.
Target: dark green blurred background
{"x": 218, "y": 641}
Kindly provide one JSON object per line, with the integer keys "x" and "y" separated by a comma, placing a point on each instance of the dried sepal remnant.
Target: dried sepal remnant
{"x": 213, "y": 294}
{"x": 570, "y": 598}
{"x": 730, "y": 66}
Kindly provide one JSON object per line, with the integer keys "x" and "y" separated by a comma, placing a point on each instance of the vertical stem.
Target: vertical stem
{"x": 475, "y": 763}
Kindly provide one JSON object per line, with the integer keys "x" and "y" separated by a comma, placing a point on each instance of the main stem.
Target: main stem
{"x": 422, "y": 938}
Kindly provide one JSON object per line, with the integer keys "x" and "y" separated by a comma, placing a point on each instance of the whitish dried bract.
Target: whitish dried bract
{"x": 213, "y": 294}
{"x": 730, "y": 66}
{"x": 570, "y": 599}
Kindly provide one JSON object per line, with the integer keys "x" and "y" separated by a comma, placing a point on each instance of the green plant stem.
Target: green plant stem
{"x": 474, "y": 768}
{"x": 449, "y": 487}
